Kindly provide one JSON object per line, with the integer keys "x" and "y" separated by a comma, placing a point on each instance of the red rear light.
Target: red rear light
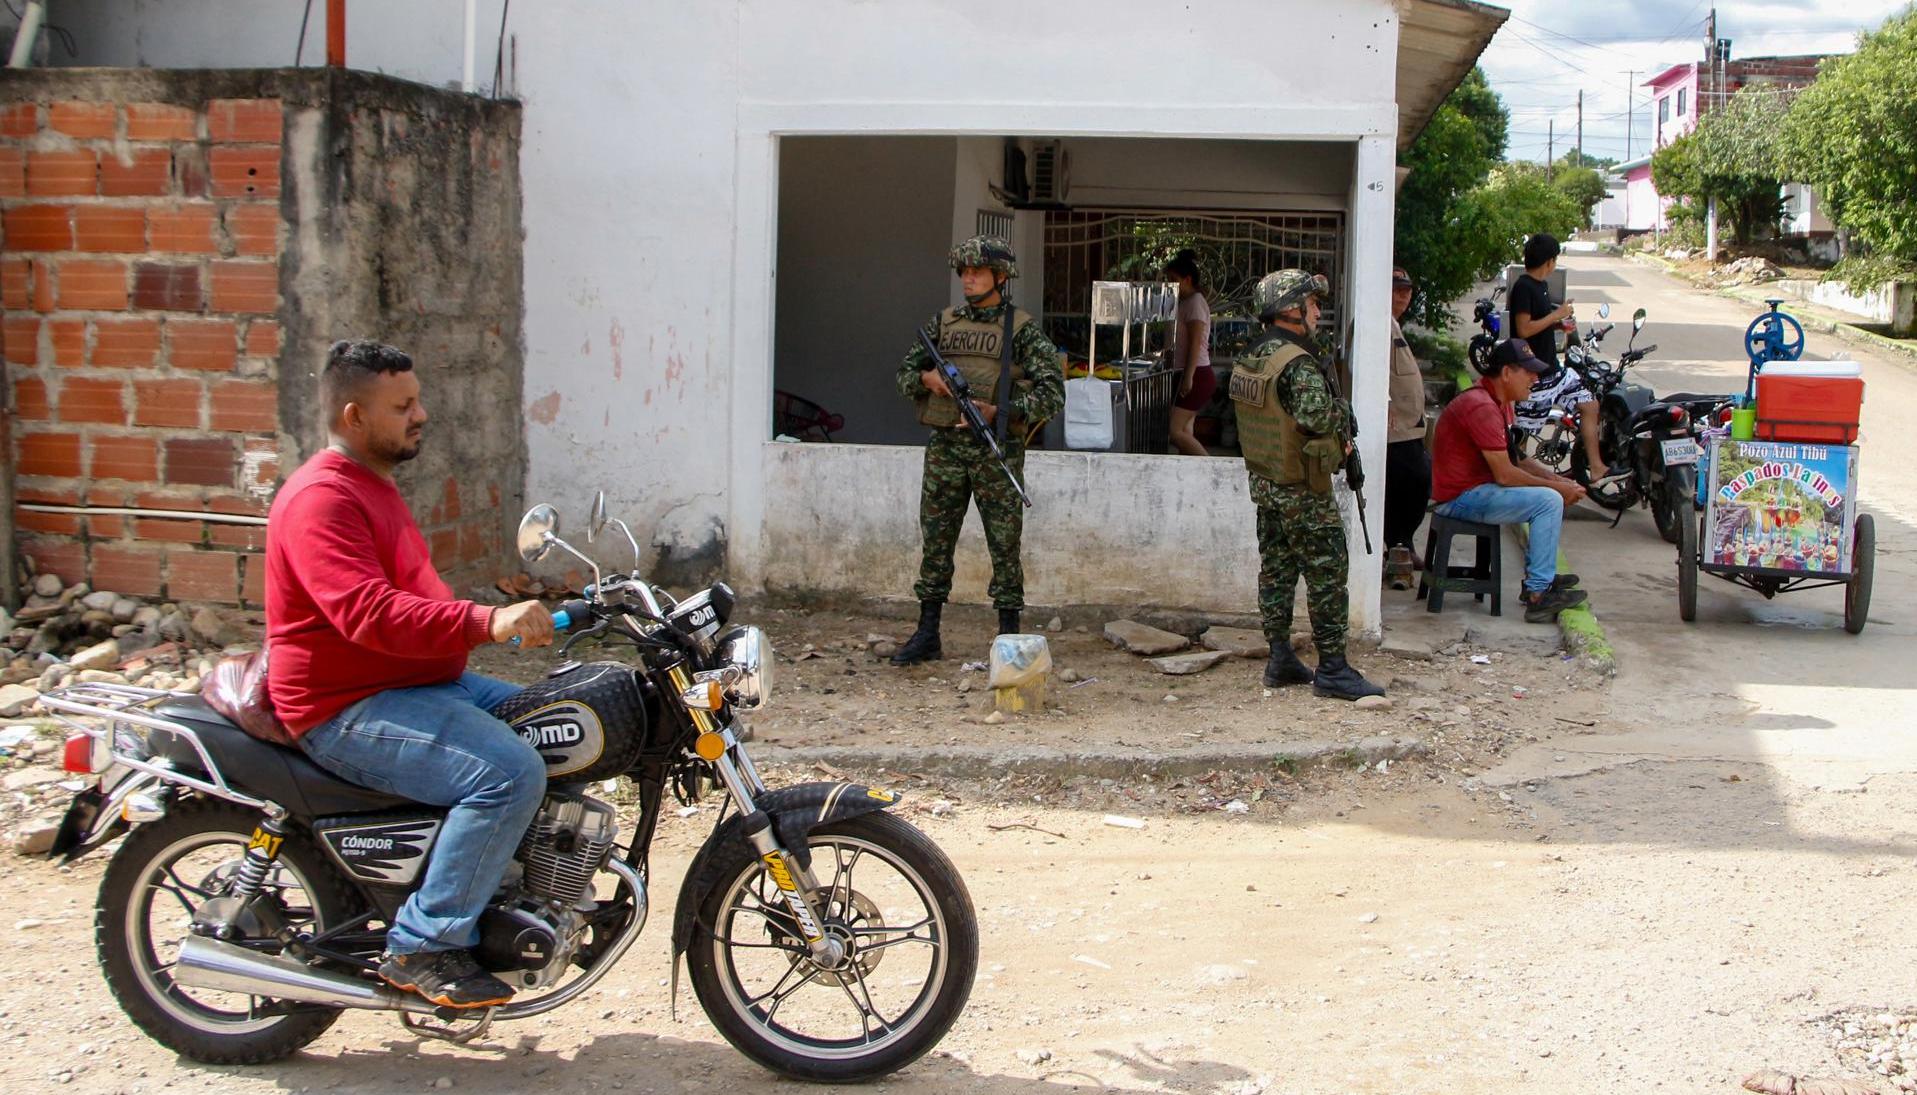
{"x": 1676, "y": 415}
{"x": 85, "y": 755}
{"x": 1724, "y": 414}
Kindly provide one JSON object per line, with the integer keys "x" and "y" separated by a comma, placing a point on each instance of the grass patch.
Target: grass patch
{"x": 1583, "y": 635}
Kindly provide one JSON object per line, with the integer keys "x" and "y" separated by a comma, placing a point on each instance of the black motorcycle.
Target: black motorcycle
{"x": 1557, "y": 438}
{"x": 1648, "y": 441}
{"x": 1490, "y": 323}
{"x": 247, "y": 905}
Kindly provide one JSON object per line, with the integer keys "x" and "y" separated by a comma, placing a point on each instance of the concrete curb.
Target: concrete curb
{"x": 981, "y": 762}
{"x": 1579, "y": 627}
{"x": 1752, "y": 294}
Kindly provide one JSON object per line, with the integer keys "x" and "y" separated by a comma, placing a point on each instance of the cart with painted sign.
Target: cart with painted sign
{"x": 1776, "y": 491}
{"x": 1779, "y": 516}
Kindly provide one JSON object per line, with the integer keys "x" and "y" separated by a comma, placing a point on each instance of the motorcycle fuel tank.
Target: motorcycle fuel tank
{"x": 587, "y": 721}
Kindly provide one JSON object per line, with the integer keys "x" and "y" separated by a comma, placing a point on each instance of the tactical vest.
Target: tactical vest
{"x": 974, "y": 347}
{"x": 1267, "y": 434}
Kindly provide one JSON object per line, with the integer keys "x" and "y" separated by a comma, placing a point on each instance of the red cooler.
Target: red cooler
{"x": 1809, "y": 402}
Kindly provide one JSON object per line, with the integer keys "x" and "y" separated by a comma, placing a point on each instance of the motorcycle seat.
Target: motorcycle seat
{"x": 1692, "y": 397}
{"x": 260, "y": 769}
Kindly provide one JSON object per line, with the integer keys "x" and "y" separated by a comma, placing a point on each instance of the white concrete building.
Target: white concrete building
{"x": 727, "y": 199}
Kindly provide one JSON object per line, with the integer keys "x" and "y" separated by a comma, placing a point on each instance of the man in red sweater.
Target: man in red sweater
{"x": 368, "y": 668}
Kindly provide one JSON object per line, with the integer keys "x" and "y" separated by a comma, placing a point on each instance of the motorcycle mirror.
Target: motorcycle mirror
{"x": 596, "y": 520}
{"x": 1637, "y": 321}
{"x": 1604, "y": 311}
{"x": 536, "y": 531}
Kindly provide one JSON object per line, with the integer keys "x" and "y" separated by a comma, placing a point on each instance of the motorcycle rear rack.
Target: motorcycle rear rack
{"x": 124, "y": 703}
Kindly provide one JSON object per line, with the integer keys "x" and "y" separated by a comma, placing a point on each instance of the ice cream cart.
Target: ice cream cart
{"x": 1778, "y": 494}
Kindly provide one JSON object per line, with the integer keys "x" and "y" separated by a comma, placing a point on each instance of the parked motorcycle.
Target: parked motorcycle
{"x": 1490, "y": 327}
{"x": 1648, "y": 441}
{"x": 1557, "y": 440}
{"x": 247, "y": 905}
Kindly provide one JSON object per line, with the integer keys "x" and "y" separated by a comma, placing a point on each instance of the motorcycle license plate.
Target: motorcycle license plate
{"x": 1680, "y": 450}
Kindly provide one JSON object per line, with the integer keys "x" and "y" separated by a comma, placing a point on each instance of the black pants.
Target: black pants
{"x": 1407, "y": 490}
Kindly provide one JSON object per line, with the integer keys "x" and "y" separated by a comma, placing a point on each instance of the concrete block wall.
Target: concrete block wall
{"x": 141, "y": 292}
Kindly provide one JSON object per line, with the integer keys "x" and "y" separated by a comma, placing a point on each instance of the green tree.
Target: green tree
{"x": 1853, "y": 136}
{"x": 1734, "y": 157}
{"x": 1445, "y": 238}
{"x": 1584, "y": 186}
{"x": 1515, "y": 203}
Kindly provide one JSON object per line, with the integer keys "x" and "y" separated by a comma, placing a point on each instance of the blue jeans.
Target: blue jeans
{"x": 1540, "y": 507}
{"x": 439, "y": 745}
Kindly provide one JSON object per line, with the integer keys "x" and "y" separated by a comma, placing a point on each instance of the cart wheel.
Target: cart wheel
{"x": 1687, "y": 567}
{"x": 1863, "y": 556}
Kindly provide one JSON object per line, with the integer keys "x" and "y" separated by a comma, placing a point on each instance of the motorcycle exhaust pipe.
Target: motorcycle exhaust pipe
{"x": 207, "y": 963}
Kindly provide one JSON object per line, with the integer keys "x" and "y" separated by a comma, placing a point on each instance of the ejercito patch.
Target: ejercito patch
{"x": 1249, "y": 387}
{"x": 962, "y": 341}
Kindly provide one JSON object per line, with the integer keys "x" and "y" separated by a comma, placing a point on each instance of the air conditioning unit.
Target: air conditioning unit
{"x": 1051, "y": 172}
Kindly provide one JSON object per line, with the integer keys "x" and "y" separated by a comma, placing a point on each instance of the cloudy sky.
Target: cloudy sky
{"x": 1550, "y": 49}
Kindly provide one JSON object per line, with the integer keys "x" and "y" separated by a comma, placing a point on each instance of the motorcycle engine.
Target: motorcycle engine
{"x": 529, "y": 936}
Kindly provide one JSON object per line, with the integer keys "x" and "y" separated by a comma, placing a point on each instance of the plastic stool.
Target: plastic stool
{"x": 1485, "y": 575}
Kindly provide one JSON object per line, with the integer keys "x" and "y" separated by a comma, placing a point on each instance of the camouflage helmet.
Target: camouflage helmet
{"x": 988, "y": 251}
{"x": 1286, "y": 289}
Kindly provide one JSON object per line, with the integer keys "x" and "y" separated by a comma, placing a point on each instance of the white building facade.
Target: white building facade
{"x": 721, "y": 196}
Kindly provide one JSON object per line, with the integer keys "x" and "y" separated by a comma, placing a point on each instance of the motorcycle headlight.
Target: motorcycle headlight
{"x": 747, "y": 650}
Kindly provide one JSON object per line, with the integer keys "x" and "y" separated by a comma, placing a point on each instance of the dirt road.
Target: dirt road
{"x": 1714, "y": 878}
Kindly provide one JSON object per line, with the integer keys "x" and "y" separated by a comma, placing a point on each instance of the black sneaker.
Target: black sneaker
{"x": 1564, "y": 581}
{"x": 1542, "y": 608}
{"x": 448, "y": 978}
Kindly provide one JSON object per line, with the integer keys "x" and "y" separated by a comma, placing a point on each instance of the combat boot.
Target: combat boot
{"x": 923, "y": 646}
{"x": 1337, "y": 680}
{"x": 1008, "y": 621}
{"x": 1284, "y": 667}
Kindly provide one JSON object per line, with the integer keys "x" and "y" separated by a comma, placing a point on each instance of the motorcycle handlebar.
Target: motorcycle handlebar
{"x": 570, "y": 613}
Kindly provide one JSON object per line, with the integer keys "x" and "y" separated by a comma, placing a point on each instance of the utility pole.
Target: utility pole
{"x": 1580, "y": 127}
{"x": 1630, "y": 110}
{"x": 1550, "y": 146}
{"x": 1710, "y": 58}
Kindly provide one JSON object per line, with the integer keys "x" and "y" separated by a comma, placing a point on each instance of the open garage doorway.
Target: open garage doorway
{"x": 864, "y": 225}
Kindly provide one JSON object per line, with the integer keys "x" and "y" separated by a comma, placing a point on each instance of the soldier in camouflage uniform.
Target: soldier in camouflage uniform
{"x": 1013, "y": 372}
{"x": 1295, "y": 435}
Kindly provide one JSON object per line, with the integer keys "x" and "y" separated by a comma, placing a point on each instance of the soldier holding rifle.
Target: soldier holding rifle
{"x": 1012, "y": 382}
{"x": 1296, "y": 434}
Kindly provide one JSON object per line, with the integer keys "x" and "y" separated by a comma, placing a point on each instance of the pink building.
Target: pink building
{"x": 1678, "y": 99}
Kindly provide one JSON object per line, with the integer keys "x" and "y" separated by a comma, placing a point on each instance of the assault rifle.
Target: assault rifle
{"x": 1354, "y": 464}
{"x": 962, "y": 395}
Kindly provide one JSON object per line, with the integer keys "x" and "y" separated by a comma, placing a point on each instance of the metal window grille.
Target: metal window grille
{"x": 1087, "y": 245}
{"x": 995, "y": 223}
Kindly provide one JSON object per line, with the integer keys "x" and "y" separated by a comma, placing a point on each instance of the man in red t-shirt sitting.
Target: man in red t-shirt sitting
{"x": 368, "y": 668}
{"x": 1474, "y": 478}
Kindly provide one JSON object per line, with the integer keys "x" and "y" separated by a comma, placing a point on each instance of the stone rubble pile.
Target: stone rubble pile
{"x": 64, "y": 635}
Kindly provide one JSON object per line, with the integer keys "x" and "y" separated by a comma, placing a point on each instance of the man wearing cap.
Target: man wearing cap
{"x": 1407, "y": 461}
{"x": 1012, "y": 370}
{"x": 1295, "y": 435}
{"x": 1476, "y": 478}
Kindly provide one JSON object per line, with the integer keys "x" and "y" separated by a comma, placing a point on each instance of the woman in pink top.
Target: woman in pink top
{"x": 1191, "y": 352}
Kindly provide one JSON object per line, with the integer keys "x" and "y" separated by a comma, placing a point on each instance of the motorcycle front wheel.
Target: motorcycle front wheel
{"x": 161, "y": 877}
{"x": 897, "y": 903}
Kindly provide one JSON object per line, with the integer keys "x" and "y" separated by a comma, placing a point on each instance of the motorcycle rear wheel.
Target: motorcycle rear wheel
{"x": 206, "y": 839}
{"x": 747, "y": 943}
{"x": 1672, "y": 507}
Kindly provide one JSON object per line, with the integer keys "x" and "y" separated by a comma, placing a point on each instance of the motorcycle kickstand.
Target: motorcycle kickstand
{"x": 426, "y": 1028}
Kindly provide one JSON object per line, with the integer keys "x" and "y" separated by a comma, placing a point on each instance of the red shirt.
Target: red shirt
{"x": 353, "y": 604}
{"x": 1472, "y": 424}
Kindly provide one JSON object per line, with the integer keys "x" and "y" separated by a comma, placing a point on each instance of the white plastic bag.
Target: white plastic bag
{"x": 1088, "y": 413}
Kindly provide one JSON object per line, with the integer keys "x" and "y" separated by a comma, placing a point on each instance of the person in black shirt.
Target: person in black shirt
{"x": 1535, "y": 319}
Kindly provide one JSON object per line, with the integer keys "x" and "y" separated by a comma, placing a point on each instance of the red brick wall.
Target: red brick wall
{"x": 140, "y": 284}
